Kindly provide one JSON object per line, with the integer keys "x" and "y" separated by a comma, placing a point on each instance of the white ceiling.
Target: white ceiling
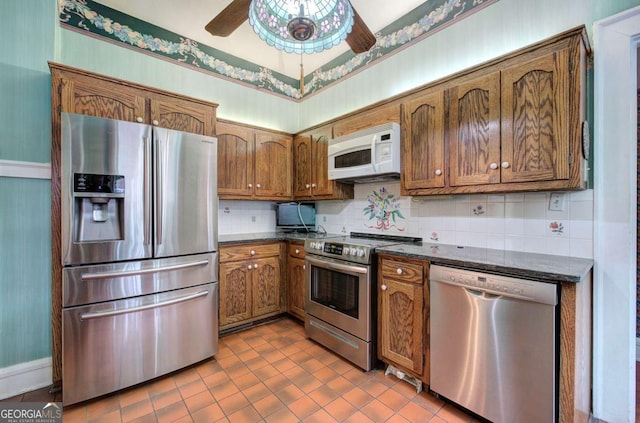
{"x": 189, "y": 17}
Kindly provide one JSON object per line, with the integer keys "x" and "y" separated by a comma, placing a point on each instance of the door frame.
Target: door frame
{"x": 616, "y": 40}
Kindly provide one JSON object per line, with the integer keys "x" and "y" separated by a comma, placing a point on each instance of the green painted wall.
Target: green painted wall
{"x": 27, "y": 41}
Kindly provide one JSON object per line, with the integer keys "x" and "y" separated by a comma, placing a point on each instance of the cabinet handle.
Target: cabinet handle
{"x": 139, "y": 119}
{"x": 383, "y": 287}
{"x": 399, "y": 271}
{"x": 155, "y": 122}
{"x": 297, "y": 251}
{"x": 250, "y": 185}
{"x": 438, "y": 172}
{"x": 258, "y": 186}
{"x": 252, "y": 252}
{"x": 505, "y": 165}
{"x": 307, "y": 186}
{"x": 493, "y": 166}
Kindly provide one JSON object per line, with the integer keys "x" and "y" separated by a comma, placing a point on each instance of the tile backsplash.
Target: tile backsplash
{"x": 519, "y": 222}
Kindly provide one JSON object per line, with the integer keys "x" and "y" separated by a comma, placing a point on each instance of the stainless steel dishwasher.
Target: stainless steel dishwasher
{"x": 494, "y": 344}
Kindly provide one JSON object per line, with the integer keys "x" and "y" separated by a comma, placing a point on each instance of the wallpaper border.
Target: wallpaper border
{"x": 94, "y": 19}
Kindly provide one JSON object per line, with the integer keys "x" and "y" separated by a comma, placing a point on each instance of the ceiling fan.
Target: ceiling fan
{"x": 360, "y": 39}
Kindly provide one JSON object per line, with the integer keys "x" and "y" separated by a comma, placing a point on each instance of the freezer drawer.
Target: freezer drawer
{"x": 113, "y": 345}
{"x": 107, "y": 282}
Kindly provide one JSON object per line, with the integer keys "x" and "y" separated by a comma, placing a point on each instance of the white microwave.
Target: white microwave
{"x": 371, "y": 155}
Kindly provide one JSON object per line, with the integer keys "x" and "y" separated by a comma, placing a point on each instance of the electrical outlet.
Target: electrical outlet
{"x": 556, "y": 201}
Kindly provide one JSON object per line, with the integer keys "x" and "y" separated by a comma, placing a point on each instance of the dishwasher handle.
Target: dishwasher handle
{"x": 499, "y": 285}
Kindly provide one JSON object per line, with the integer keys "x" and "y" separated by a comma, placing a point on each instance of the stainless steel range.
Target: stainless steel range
{"x": 340, "y": 305}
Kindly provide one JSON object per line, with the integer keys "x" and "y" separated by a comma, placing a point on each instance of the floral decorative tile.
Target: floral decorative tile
{"x": 384, "y": 209}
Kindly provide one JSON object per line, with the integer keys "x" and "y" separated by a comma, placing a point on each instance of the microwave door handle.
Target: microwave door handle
{"x": 373, "y": 153}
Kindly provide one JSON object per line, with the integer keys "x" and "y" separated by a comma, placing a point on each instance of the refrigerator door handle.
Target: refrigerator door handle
{"x": 125, "y": 273}
{"x": 147, "y": 192}
{"x": 159, "y": 188}
{"x": 99, "y": 314}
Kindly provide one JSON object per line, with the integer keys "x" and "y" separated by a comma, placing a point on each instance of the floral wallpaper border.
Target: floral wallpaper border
{"x": 88, "y": 16}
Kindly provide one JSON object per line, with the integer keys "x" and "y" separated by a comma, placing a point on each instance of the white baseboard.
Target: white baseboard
{"x": 25, "y": 377}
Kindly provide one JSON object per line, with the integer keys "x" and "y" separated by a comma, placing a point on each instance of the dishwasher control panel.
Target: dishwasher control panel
{"x": 495, "y": 284}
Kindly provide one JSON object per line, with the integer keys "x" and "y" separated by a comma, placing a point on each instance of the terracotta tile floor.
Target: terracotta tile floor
{"x": 270, "y": 373}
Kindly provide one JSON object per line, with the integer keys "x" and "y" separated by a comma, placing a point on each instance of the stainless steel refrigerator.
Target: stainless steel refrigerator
{"x": 139, "y": 252}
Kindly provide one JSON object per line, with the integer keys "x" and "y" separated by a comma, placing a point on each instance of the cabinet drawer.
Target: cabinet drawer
{"x": 402, "y": 271}
{"x": 296, "y": 250}
{"x": 248, "y": 251}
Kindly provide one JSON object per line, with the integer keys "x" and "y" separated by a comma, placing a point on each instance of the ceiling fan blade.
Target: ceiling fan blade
{"x": 360, "y": 39}
{"x": 229, "y": 19}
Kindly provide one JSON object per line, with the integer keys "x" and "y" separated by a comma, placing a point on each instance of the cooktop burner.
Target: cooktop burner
{"x": 356, "y": 247}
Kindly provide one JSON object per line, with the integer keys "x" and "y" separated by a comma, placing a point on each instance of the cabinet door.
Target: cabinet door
{"x": 320, "y": 183}
{"x": 401, "y": 324}
{"x": 273, "y": 175}
{"x": 302, "y": 166}
{"x": 474, "y": 132}
{"x": 235, "y": 160}
{"x": 181, "y": 115}
{"x": 535, "y": 113}
{"x": 235, "y": 292}
{"x": 297, "y": 286}
{"x": 266, "y": 286}
{"x": 95, "y": 97}
{"x": 423, "y": 142}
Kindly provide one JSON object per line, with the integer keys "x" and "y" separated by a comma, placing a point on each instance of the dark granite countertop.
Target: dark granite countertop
{"x": 271, "y": 236}
{"x": 541, "y": 267}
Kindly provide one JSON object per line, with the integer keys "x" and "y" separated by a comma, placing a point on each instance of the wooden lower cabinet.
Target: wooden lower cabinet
{"x": 250, "y": 283}
{"x": 297, "y": 280}
{"x": 403, "y": 304}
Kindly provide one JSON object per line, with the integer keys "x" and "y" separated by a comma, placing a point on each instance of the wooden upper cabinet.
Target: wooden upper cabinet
{"x": 535, "y": 119}
{"x": 253, "y": 163}
{"x": 182, "y": 115}
{"x": 423, "y": 141}
{"x": 235, "y": 160}
{"x": 98, "y": 95}
{"x": 273, "y": 161}
{"x": 367, "y": 119}
{"x": 87, "y": 96}
{"x": 311, "y": 168}
{"x": 302, "y": 166}
{"x": 474, "y": 132}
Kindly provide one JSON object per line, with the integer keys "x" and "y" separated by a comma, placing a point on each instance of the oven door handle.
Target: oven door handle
{"x": 331, "y": 264}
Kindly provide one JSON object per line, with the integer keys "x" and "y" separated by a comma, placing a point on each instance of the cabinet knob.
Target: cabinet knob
{"x": 155, "y": 122}
{"x": 258, "y": 186}
{"x": 438, "y": 172}
{"x": 255, "y": 266}
{"x": 493, "y": 166}
{"x": 250, "y": 185}
{"x": 252, "y": 252}
{"x": 399, "y": 271}
{"x": 304, "y": 267}
{"x": 313, "y": 185}
{"x": 505, "y": 165}
{"x": 297, "y": 250}
{"x": 307, "y": 186}
{"x": 250, "y": 267}
{"x": 139, "y": 119}
{"x": 383, "y": 287}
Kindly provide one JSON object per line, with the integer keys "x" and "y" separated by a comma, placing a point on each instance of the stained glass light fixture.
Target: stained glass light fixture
{"x": 301, "y": 26}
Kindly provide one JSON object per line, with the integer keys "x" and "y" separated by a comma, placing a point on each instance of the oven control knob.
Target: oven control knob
{"x": 319, "y": 245}
{"x": 346, "y": 252}
{"x": 353, "y": 251}
{"x": 360, "y": 252}
{"x": 312, "y": 245}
